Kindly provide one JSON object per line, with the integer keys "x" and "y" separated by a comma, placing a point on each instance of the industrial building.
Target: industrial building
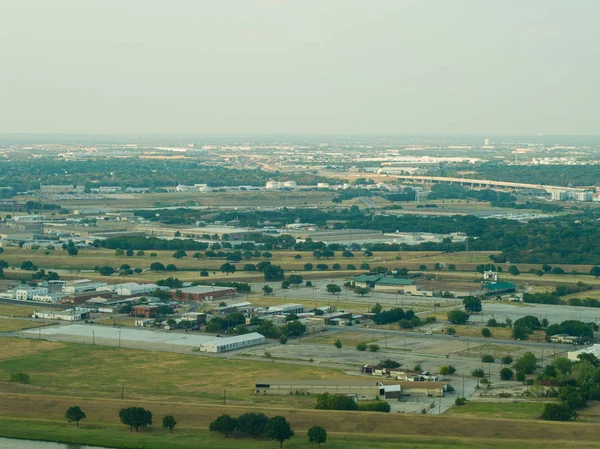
{"x": 284, "y": 309}
{"x": 65, "y": 315}
{"x": 130, "y": 288}
{"x": 203, "y": 293}
{"x": 231, "y": 343}
{"x": 82, "y": 285}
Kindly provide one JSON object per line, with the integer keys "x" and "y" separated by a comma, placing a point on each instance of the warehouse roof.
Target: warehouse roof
{"x": 395, "y": 281}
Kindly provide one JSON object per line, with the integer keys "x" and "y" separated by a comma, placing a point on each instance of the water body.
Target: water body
{"x": 10, "y": 443}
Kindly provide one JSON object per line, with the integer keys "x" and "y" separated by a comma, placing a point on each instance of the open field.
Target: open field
{"x": 349, "y": 339}
{"x": 10, "y": 310}
{"x": 346, "y": 429}
{"x": 104, "y": 370}
{"x": 10, "y": 325}
{"x": 505, "y": 410}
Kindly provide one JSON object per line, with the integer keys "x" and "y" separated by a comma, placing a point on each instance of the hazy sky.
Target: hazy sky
{"x": 304, "y": 66}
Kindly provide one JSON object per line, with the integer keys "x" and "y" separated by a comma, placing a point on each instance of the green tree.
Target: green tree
{"x": 486, "y": 332}
{"x": 295, "y": 279}
{"x": 362, "y": 291}
{"x": 526, "y": 364}
{"x": 458, "y": 317}
{"x": 135, "y": 417}
{"x": 224, "y": 424}
{"x": 75, "y": 414}
{"x": 279, "y": 429}
{"x": 507, "y": 360}
{"x": 514, "y": 270}
{"x": 558, "y": 412}
{"x": 488, "y": 358}
{"x": 267, "y": 290}
{"x": 447, "y": 370}
{"x": 180, "y": 253}
{"x": 169, "y": 422}
{"x": 472, "y": 304}
{"x": 72, "y": 251}
{"x": 273, "y": 273}
{"x": 478, "y": 373}
{"x": 595, "y": 271}
{"x": 338, "y": 343}
{"x": 506, "y": 374}
{"x": 227, "y": 268}
{"x": 252, "y": 424}
{"x": 317, "y": 435}
{"x": 520, "y": 333}
{"x": 333, "y": 288}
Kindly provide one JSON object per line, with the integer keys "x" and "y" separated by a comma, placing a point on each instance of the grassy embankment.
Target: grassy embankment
{"x": 191, "y": 388}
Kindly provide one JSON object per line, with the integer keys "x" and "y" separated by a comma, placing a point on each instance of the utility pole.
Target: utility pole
{"x": 122, "y": 391}
{"x": 224, "y": 396}
{"x": 93, "y": 337}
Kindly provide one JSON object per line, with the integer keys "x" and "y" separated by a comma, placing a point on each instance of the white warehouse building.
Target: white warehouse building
{"x": 130, "y": 288}
{"x": 232, "y": 343}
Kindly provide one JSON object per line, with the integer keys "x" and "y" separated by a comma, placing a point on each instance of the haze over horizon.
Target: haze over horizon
{"x": 314, "y": 67}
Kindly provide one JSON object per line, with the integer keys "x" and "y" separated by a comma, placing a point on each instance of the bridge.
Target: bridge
{"x": 487, "y": 183}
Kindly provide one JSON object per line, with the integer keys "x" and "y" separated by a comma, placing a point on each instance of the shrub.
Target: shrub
{"x": 460, "y": 401}
{"x": 373, "y": 347}
{"x": 506, "y": 374}
{"x": 486, "y": 332}
{"x": 21, "y": 378}
{"x": 361, "y": 346}
{"x": 488, "y": 358}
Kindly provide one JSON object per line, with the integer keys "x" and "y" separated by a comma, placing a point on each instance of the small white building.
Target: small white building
{"x": 232, "y": 343}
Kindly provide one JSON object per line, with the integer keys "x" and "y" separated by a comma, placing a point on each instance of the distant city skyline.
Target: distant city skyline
{"x": 333, "y": 67}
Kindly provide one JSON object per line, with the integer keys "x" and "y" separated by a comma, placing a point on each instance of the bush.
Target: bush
{"x": 478, "y": 373}
{"x": 374, "y": 347}
{"x": 460, "y": 401}
{"x": 488, "y": 358}
{"x": 446, "y": 370}
{"x": 361, "y": 347}
{"x": 507, "y": 360}
{"x": 558, "y": 412}
{"x": 21, "y": 378}
{"x": 377, "y": 406}
{"x": 506, "y": 374}
{"x": 486, "y": 332}
{"x": 458, "y": 317}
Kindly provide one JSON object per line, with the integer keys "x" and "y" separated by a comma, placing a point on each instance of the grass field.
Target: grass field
{"x": 506, "y": 410}
{"x": 10, "y": 310}
{"x": 42, "y": 417}
{"x": 348, "y": 339}
{"x": 191, "y": 388}
{"x": 104, "y": 370}
{"x": 10, "y": 325}
{"x": 155, "y": 437}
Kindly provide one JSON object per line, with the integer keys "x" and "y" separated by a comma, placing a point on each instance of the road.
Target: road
{"x": 368, "y": 202}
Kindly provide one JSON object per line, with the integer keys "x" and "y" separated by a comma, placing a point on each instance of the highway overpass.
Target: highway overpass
{"x": 486, "y": 183}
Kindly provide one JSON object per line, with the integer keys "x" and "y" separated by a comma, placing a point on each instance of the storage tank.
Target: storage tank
{"x": 290, "y": 184}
